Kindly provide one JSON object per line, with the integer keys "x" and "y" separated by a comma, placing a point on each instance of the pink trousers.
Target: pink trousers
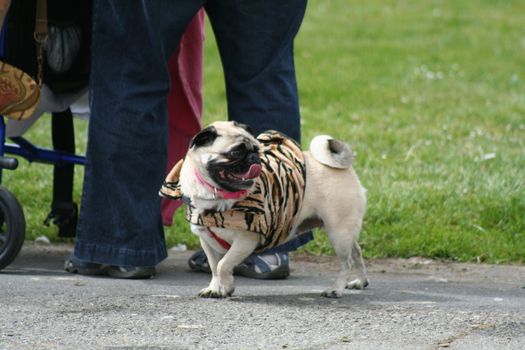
{"x": 184, "y": 100}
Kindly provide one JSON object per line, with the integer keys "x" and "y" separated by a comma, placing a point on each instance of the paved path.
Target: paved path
{"x": 410, "y": 304}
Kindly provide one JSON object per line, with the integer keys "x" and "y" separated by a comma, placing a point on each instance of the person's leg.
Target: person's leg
{"x": 255, "y": 39}
{"x": 120, "y": 222}
{"x": 184, "y": 100}
{"x": 64, "y": 211}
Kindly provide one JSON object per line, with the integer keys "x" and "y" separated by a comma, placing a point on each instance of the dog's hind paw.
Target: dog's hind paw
{"x": 332, "y": 293}
{"x": 357, "y": 284}
{"x": 215, "y": 293}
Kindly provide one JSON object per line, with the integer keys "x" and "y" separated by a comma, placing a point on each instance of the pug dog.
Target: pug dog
{"x": 245, "y": 194}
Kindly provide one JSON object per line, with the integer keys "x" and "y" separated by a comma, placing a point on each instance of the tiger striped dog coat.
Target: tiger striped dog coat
{"x": 271, "y": 208}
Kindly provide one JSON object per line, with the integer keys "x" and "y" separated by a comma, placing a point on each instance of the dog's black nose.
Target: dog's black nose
{"x": 253, "y": 157}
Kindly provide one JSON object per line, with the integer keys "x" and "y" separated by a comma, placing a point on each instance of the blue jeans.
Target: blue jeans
{"x": 120, "y": 222}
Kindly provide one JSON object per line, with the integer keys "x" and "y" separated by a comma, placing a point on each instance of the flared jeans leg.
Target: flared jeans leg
{"x": 120, "y": 221}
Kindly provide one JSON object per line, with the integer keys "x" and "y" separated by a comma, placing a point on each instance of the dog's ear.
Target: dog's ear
{"x": 205, "y": 137}
{"x": 245, "y": 127}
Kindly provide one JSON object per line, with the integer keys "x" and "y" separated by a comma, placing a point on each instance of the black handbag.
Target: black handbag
{"x": 64, "y": 61}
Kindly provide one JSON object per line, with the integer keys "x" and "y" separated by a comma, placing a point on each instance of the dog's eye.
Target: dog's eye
{"x": 236, "y": 153}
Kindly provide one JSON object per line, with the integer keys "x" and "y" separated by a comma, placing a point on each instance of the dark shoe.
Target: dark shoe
{"x": 253, "y": 267}
{"x": 65, "y": 216}
{"x": 199, "y": 262}
{"x": 75, "y": 265}
{"x": 132, "y": 272}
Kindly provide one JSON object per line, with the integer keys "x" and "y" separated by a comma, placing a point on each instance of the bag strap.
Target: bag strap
{"x": 4, "y": 6}
{"x": 41, "y": 35}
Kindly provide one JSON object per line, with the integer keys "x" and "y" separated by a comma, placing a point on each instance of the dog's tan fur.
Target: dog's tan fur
{"x": 334, "y": 199}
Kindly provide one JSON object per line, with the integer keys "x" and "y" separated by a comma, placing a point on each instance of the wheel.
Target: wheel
{"x": 12, "y": 227}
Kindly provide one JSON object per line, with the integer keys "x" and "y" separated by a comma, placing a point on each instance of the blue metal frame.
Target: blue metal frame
{"x": 32, "y": 153}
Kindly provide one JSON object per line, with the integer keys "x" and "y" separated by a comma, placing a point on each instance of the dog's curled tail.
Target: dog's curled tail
{"x": 331, "y": 152}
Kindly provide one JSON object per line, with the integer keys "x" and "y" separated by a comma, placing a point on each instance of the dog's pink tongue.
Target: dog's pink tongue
{"x": 253, "y": 172}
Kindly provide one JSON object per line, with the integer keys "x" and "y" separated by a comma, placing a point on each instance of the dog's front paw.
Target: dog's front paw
{"x": 218, "y": 292}
{"x": 357, "y": 284}
{"x": 332, "y": 293}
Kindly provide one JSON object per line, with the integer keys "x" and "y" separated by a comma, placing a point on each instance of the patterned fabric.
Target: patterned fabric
{"x": 271, "y": 208}
{"x": 19, "y": 93}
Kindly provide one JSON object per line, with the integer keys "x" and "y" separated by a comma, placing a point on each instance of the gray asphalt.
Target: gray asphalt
{"x": 410, "y": 304}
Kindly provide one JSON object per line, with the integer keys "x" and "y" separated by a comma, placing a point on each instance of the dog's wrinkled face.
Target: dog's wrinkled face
{"x": 226, "y": 153}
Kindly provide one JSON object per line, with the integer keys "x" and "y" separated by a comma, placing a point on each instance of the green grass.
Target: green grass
{"x": 431, "y": 96}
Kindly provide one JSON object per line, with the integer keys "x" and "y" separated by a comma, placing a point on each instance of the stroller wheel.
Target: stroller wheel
{"x": 12, "y": 227}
